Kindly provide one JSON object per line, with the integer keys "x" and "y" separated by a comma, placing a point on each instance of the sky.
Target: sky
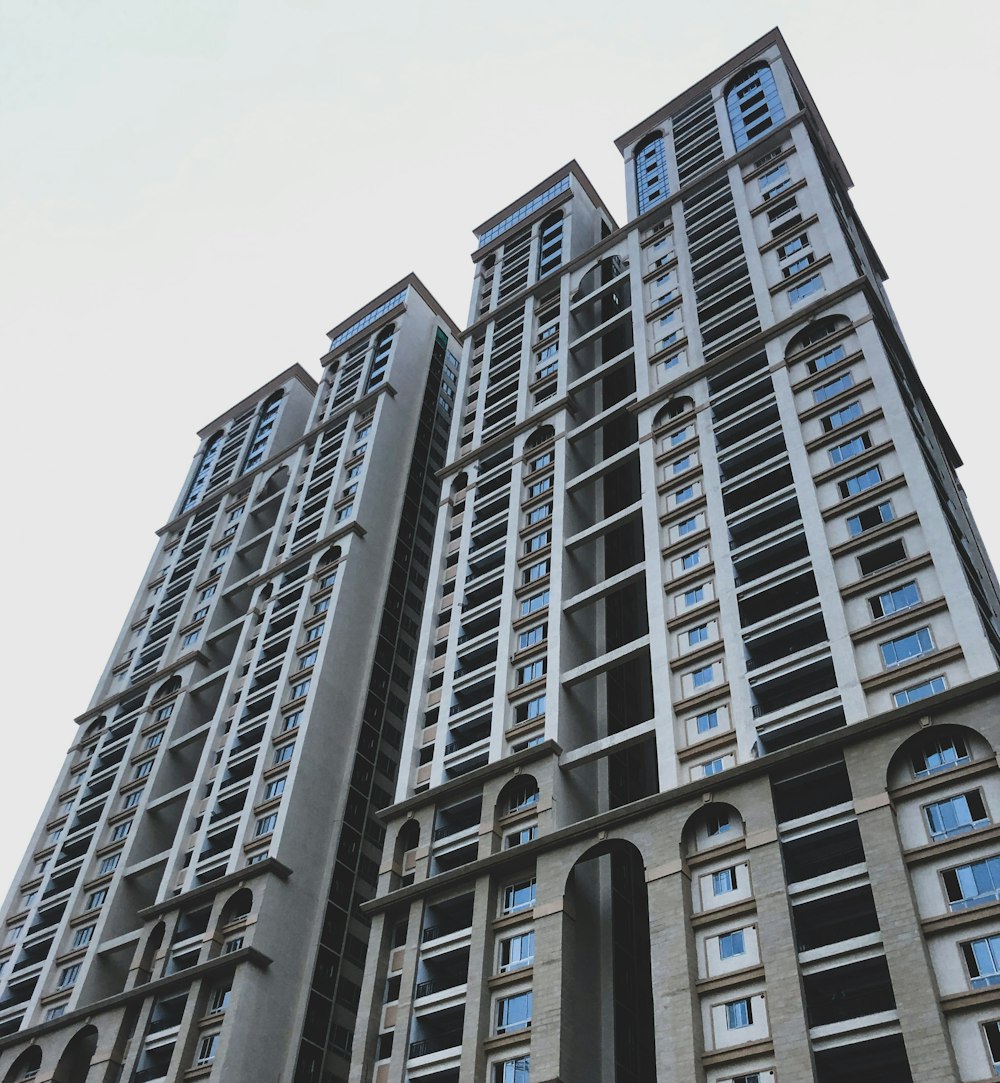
{"x": 193, "y": 193}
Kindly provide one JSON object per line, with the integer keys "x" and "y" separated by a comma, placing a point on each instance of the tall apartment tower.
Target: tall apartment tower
{"x": 189, "y": 907}
{"x": 699, "y": 779}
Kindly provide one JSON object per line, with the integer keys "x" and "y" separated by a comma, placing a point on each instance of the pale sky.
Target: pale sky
{"x": 193, "y": 193}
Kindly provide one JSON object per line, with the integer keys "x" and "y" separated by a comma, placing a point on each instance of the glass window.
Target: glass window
{"x": 919, "y": 691}
{"x": 731, "y": 944}
{"x": 538, "y": 541}
{"x": 274, "y": 788}
{"x": 903, "y": 648}
{"x": 121, "y": 830}
{"x": 703, "y": 676}
{"x": 738, "y": 1014}
{"x": 207, "y": 1048}
{"x": 844, "y": 416}
{"x": 283, "y": 754}
{"x": 973, "y": 884}
{"x": 517, "y": 1070}
{"x": 691, "y": 560}
{"x": 697, "y": 635}
{"x": 695, "y": 595}
{"x": 534, "y": 603}
{"x": 519, "y": 896}
{"x": 513, "y": 1012}
{"x": 983, "y": 960}
{"x": 517, "y": 951}
{"x": 707, "y": 720}
{"x": 82, "y": 936}
{"x": 219, "y": 1000}
{"x": 895, "y": 600}
{"x": 713, "y": 767}
{"x": 684, "y": 494}
{"x": 533, "y": 671}
{"x": 857, "y": 445}
{"x": 796, "y": 244}
{"x": 536, "y": 515}
{"x": 532, "y": 636}
{"x": 834, "y": 387}
{"x": 870, "y": 518}
{"x": 753, "y": 104}
{"x": 956, "y": 815}
{"x": 651, "y": 181}
{"x": 824, "y": 361}
{"x": 266, "y": 825}
{"x": 724, "y": 881}
{"x": 852, "y": 486}
{"x": 805, "y": 289}
{"x": 68, "y": 976}
{"x": 108, "y": 864}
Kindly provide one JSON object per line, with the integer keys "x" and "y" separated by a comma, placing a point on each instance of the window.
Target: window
{"x": 534, "y": 603}
{"x": 517, "y": 1070}
{"x": 290, "y": 721}
{"x": 265, "y": 825}
{"x": 345, "y": 513}
{"x": 724, "y": 881}
{"x": 521, "y": 836}
{"x": 55, "y": 1013}
{"x": 691, "y": 560}
{"x": 687, "y": 493}
{"x": 914, "y": 644}
{"x": 713, "y": 767}
{"x": 651, "y": 181}
{"x": 536, "y": 571}
{"x": 219, "y": 1001}
{"x": 68, "y": 976}
{"x": 541, "y": 462}
{"x": 882, "y": 557}
{"x": 707, "y": 720}
{"x": 895, "y": 600}
{"x": 536, "y": 488}
{"x": 513, "y": 1012}
{"x": 717, "y": 824}
{"x": 870, "y": 518}
{"x": 275, "y": 788}
{"x": 96, "y": 899}
{"x": 844, "y": 416}
{"x": 919, "y": 691}
{"x": 206, "y": 1048}
{"x": 532, "y": 636}
{"x": 860, "y": 482}
{"x": 753, "y": 104}
{"x": 678, "y": 466}
{"x": 974, "y": 884}
{"x": 796, "y": 244}
{"x": 321, "y": 607}
{"x": 732, "y": 944}
{"x": 517, "y": 951}
{"x": 536, "y": 515}
{"x": 697, "y": 635}
{"x": 834, "y": 387}
{"x": 738, "y": 1014}
{"x": 232, "y": 945}
{"x": 164, "y": 713}
{"x": 538, "y": 541}
{"x": 314, "y": 633}
{"x": 956, "y": 815}
{"x": 308, "y": 660}
{"x": 533, "y": 671}
{"x": 774, "y": 181}
{"x": 703, "y": 676}
{"x": 143, "y": 769}
{"x": 300, "y": 689}
{"x": 824, "y": 361}
{"x": 694, "y": 596}
{"x": 519, "y": 896}
{"x": 133, "y": 799}
{"x": 533, "y": 708}
{"x": 191, "y": 637}
{"x": 805, "y": 289}
{"x": 857, "y": 445}
{"x": 283, "y": 754}
{"x": 688, "y": 526}
{"x": 798, "y": 265}
{"x": 14, "y": 932}
{"x": 82, "y": 936}
{"x": 153, "y": 740}
{"x": 679, "y": 436}
{"x": 109, "y": 864}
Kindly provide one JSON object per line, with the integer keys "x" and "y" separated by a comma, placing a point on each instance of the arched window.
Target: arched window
{"x": 753, "y": 104}
{"x": 541, "y": 435}
{"x": 74, "y": 1064}
{"x": 237, "y": 907}
{"x": 550, "y": 243}
{"x": 712, "y": 825}
{"x": 208, "y": 457}
{"x": 674, "y": 408}
{"x": 26, "y": 1066}
{"x": 168, "y": 688}
{"x": 262, "y": 433}
{"x": 651, "y": 181}
{"x": 816, "y": 332}
{"x": 380, "y": 362}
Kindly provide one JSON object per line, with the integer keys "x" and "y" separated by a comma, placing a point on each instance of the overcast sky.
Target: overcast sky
{"x": 193, "y": 193}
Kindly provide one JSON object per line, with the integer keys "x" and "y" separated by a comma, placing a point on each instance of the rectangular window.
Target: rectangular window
{"x": 533, "y": 671}
{"x": 707, "y": 720}
{"x": 982, "y": 957}
{"x": 283, "y": 754}
{"x": 538, "y": 541}
{"x": 694, "y": 596}
{"x": 207, "y": 1048}
{"x": 534, "y": 603}
{"x": 687, "y": 493}
{"x": 724, "y": 881}
{"x": 678, "y": 466}
{"x": 321, "y": 606}
{"x": 82, "y": 936}
{"x": 895, "y": 600}
{"x": 919, "y": 691}
{"x": 738, "y": 1014}
{"x": 860, "y": 482}
{"x": 774, "y": 181}
{"x": 191, "y": 637}
{"x": 518, "y": 897}
{"x": 691, "y": 560}
{"x": 314, "y": 633}
{"x": 732, "y": 944}
{"x": 713, "y": 767}
{"x": 697, "y": 635}
{"x": 870, "y": 518}
{"x": 143, "y": 769}
{"x": 679, "y": 436}
{"x": 851, "y": 412}
{"x": 857, "y": 445}
{"x": 974, "y": 884}
{"x": 519, "y": 838}
{"x": 513, "y": 1013}
{"x": 108, "y": 864}
{"x": 266, "y": 825}
{"x": 133, "y": 799}
{"x": 805, "y": 289}
{"x": 914, "y": 644}
{"x": 532, "y": 636}
{"x": 541, "y": 486}
{"x": 308, "y": 660}
{"x": 882, "y": 557}
{"x": 68, "y": 976}
{"x": 345, "y": 513}
{"x": 208, "y": 592}
{"x": 824, "y": 361}
{"x": 121, "y": 830}
{"x": 689, "y": 526}
{"x": 541, "y": 462}
{"x": 834, "y": 387}
{"x": 219, "y": 1001}
{"x": 533, "y": 708}
{"x": 164, "y": 713}
{"x": 517, "y": 951}
{"x": 798, "y": 265}
{"x": 992, "y": 1032}
{"x": 536, "y": 571}
{"x": 703, "y": 676}
{"x": 153, "y": 740}
{"x": 517, "y": 1070}
{"x": 96, "y": 899}
{"x": 796, "y": 244}
{"x": 536, "y": 515}
{"x": 300, "y": 689}
{"x": 275, "y": 788}
{"x": 956, "y": 815}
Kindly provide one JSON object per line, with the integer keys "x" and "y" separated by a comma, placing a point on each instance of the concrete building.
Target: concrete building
{"x": 699, "y": 777}
{"x": 192, "y": 892}
{"x": 673, "y": 669}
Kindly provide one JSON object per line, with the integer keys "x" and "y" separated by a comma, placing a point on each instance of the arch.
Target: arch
{"x": 331, "y": 556}
{"x": 816, "y": 331}
{"x": 460, "y": 484}
{"x": 540, "y": 436}
{"x": 673, "y": 409}
{"x": 170, "y": 687}
{"x": 208, "y": 457}
{"x": 753, "y": 103}
{"x": 74, "y": 1064}
{"x": 935, "y": 750}
{"x": 714, "y": 824}
{"x": 26, "y": 1065}
{"x": 94, "y": 728}
{"x": 602, "y": 272}
{"x": 380, "y": 358}
{"x": 237, "y": 906}
{"x": 518, "y": 795}
{"x": 275, "y": 483}
{"x": 262, "y": 431}
{"x": 550, "y": 243}
{"x": 153, "y": 944}
{"x": 606, "y": 966}
{"x": 404, "y": 855}
{"x": 652, "y": 185}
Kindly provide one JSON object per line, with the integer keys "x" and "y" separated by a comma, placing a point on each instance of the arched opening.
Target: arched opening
{"x": 610, "y": 302}
{"x": 816, "y": 332}
{"x": 714, "y": 824}
{"x": 275, "y": 483}
{"x": 935, "y": 750}
{"x": 607, "y": 1009}
{"x": 380, "y": 358}
{"x": 74, "y": 1064}
{"x": 331, "y": 556}
{"x": 237, "y": 907}
{"x": 651, "y": 181}
{"x": 673, "y": 409}
{"x": 550, "y": 244}
{"x": 753, "y": 104}
{"x": 542, "y": 435}
{"x": 153, "y": 944}
{"x": 404, "y": 861}
{"x": 208, "y": 457}
{"x": 168, "y": 688}
{"x": 94, "y": 728}
{"x": 26, "y": 1066}
{"x": 459, "y": 486}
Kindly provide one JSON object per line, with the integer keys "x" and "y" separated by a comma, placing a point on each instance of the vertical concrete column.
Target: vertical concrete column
{"x": 786, "y": 1012}
{"x": 477, "y": 997}
{"x": 404, "y": 1008}
{"x": 925, "y": 1033}
{"x": 550, "y": 971}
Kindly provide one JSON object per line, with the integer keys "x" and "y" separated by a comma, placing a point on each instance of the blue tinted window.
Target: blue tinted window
{"x": 753, "y": 104}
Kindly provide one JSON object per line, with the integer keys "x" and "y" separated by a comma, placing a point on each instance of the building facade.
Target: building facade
{"x": 698, "y": 779}
{"x": 178, "y": 888}
{"x": 669, "y": 664}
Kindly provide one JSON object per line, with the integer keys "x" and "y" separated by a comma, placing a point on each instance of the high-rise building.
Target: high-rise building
{"x": 698, "y": 779}
{"x": 189, "y": 905}
{"x": 692, "y": 739}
